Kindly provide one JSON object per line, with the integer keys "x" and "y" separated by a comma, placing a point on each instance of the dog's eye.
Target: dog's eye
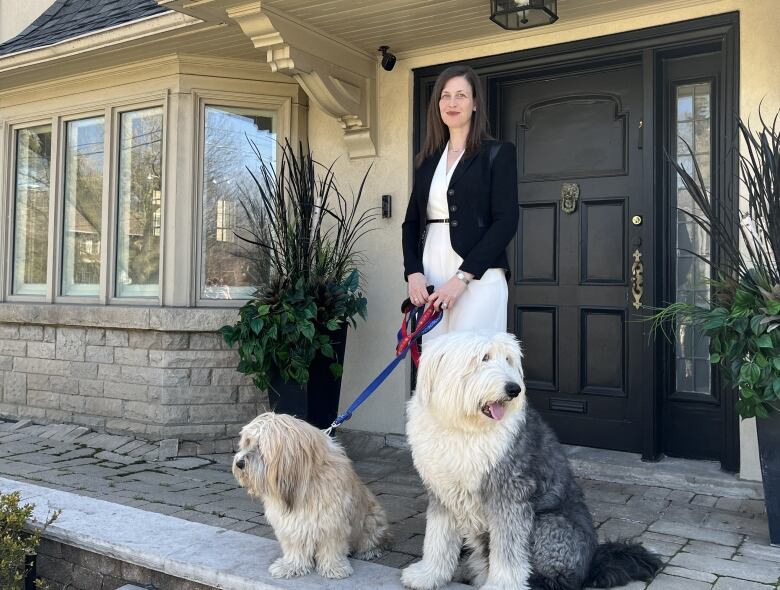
{"x": 509, "y": 360}
{"x": 486, "y": 358}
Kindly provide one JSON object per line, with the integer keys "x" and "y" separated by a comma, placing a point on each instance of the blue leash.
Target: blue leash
{"x": 401, "y": 355}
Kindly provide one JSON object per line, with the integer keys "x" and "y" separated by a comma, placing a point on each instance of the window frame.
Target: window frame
{"x": 8, "y": 208}
{"x": 112, "y": 251}
{"x": 281, "y": 107}
{"x": 111, "y": 112}
{"x": 59, "y": 230}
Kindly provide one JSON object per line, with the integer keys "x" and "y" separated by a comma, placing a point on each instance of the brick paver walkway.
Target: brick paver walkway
{"x": 707, "y": 541}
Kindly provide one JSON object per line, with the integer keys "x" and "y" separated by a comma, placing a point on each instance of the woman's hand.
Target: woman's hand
{"x": 418, "y": 288}
{"x": 446, "y": 295}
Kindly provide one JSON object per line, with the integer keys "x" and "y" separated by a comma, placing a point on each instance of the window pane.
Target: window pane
{"x": 140, "y": 200}
{"x": 232, "y": 267}
{"x": 31, "y": 210}
{"x": 83, "y": 207}
{"x": 693, "y": 124}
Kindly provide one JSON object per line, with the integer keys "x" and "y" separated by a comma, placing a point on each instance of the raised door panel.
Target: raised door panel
{"x": 594, "y": 143}
{"x": 603, "y": 256}
{"x": 537, "y": 241}
{"x": 537, "y": 330}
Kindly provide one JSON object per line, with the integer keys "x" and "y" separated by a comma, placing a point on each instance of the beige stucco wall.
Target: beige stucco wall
{"x": 15, "y": 15}
{"x": 371, "y": 346}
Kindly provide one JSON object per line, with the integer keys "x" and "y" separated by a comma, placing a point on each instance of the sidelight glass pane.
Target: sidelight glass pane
{"x": 31, "y": 210}
{"x": 232, "y": 268}
{"x": 83, "y": 207}
{"x": 693, "y": 125}
{"x": 140, "y": 204}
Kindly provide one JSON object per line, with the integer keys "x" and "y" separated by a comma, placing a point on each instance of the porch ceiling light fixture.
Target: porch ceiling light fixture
{"x": 515, "y": 15}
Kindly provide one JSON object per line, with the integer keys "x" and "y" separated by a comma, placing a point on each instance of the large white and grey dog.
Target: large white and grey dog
{"x": 498, "y": 478}
{"x": 320, "y": 511}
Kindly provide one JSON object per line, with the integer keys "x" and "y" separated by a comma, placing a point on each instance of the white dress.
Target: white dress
{"x": 483, "y": 304}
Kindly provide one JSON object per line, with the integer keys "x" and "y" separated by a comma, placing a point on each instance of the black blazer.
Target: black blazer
{"x": 483, "y": 209}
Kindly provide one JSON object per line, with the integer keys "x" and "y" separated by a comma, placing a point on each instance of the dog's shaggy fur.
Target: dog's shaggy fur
{"x": 319, "y": 509}
{"x": 498, "y": 478}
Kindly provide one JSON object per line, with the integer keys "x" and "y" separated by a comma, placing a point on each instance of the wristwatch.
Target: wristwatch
{"x": 462, "y": 276}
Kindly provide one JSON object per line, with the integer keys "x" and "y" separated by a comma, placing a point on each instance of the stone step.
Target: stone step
{"x": 207, "y": 555}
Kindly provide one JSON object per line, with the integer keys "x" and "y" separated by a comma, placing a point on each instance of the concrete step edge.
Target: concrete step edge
{"x": 208, "y": 555}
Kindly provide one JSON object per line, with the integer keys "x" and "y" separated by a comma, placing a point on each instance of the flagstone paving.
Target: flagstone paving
{"x": 707, "y": 541}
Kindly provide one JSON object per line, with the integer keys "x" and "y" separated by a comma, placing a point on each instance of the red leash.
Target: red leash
{"x": 425, "y": 323}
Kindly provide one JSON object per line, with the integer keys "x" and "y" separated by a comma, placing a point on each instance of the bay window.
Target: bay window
{"x": 88, "y": 217}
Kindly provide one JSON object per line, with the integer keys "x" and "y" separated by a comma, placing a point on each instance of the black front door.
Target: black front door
{"x": 580, "y": 249}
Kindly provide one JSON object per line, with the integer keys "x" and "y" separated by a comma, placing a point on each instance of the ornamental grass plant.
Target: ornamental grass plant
{"x": 308, "y": 232}
{"x": 742, "y": 316}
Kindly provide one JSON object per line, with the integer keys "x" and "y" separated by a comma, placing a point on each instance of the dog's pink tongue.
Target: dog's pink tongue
{"x": 497, "y": 411}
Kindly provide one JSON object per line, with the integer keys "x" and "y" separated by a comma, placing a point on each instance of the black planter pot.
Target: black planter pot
{"x": 317, "y": 402}
{"x": 769, "y": 455}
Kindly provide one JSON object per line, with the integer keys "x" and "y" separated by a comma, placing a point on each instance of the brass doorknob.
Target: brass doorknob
{"x": 636, "y": 220}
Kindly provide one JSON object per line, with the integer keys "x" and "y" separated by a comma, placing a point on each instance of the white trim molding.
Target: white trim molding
{"x": 338, "y": 78}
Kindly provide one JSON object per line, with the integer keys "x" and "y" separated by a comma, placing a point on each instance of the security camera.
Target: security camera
{"x": 388, "y": 59}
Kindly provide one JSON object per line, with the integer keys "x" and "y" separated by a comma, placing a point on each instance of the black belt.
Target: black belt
{"x": 437, "y": 221}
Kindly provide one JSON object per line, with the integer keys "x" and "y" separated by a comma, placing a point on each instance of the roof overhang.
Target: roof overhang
{"x": 151, "y": 26}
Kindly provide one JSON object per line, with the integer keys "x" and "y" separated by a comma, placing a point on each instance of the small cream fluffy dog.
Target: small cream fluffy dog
{"x": 319, "y": 509}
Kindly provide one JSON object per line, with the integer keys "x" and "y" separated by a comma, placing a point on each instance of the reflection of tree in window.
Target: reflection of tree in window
{"x": 83, "y": 206}
{"x": 140, "y": 203}
{"x": 36, "y": 241}
{"x": 231, "y": 268}
{"x": 31, "y": 222}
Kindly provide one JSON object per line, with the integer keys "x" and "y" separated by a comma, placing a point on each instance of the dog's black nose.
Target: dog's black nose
{"x": 512, "y": 389}
{"x": 240, "y": 463}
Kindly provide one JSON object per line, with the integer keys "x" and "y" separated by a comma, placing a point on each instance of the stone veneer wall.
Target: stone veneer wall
{"x": 65, "y": 566}
{"x": 154, "y": 373}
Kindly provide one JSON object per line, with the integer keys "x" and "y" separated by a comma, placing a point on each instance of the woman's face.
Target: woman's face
{"x": 456, "y": 103}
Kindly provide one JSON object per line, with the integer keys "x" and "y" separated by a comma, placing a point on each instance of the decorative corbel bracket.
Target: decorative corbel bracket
{"x": 339, "y": 79}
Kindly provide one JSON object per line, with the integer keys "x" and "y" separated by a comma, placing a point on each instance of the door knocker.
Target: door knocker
{"x": 570, "y": 192}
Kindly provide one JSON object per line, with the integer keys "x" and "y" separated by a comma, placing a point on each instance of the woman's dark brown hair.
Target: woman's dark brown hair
{"x": 437, "y": 133}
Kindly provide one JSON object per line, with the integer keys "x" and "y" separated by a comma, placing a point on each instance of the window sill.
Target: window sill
{"x": 163, "y": 319}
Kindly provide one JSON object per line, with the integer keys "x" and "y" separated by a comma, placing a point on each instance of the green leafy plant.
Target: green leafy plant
{"x": 18, "y": 541}
{"x": 743, "y": 314}
{"x": 309, "y": 231}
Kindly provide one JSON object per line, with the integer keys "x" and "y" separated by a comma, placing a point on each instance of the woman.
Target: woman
{"x": 463, "y": 210}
